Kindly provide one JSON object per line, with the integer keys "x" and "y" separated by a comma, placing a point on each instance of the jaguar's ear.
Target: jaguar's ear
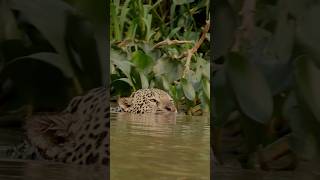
{"x": 125, "y": 103}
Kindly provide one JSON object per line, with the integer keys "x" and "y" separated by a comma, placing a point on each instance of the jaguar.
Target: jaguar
{"x": 80, "y": 133}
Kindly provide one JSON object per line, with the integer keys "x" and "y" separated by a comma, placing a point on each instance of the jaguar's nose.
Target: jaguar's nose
{"x": 171, "y": 108}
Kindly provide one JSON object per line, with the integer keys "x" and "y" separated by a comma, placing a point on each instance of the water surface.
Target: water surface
{"x": 166, "y": 146}
{"x": 44, "y": 170}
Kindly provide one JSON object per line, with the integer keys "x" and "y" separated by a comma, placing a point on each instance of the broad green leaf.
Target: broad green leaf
{"x": 188, "y": 89}
{"x": 284, "y": 37}
{"x": 302, "y": 139}
{"x": 165, "y": 83}
{"x": 308, "y": 84}
{"x": 206, "y": 87}
{"x": 142, "y": 61}
{"x": 120, "y": 61}
{"x": 126, "y": 80}
{"x": 171, "y": 69}
{"x": 308, "y": 32}
{"x": 223, "y": 102}
{"x": 144, "y": 81}
{"x": 81, "y": 38}
{"x": 94, "y": 10}
{"x": 250, "y": 87}
{"x": 205, "y": 102}
{"x": 49, "y": 17}
{"x": 8, "y": 28}
{"x": 173, "y": 32}
{"x": 263, "y": 54}
{"x": 223, "y": 29}
{"x": 50, "y": 58}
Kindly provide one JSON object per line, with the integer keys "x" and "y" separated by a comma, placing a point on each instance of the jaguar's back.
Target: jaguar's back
{"x": 80, "y": 134}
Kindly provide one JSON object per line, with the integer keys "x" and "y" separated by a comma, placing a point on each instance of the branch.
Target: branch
{"x": 193, "y": 50}
{"x": 170, "y": 42}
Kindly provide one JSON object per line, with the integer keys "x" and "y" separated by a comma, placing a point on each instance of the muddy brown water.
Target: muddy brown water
{"x": 147, "y": 147}
{"x": 166, "y": 146}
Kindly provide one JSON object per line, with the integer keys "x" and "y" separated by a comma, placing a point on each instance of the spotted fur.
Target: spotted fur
{"x": 79, "y": 134}
{"x": 147, "y": 101}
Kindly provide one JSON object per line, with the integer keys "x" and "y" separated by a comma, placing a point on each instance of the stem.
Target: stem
{"x": 195, "y": 48}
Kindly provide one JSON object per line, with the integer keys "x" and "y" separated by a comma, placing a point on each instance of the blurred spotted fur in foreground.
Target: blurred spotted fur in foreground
{"x": 80, "y": 133}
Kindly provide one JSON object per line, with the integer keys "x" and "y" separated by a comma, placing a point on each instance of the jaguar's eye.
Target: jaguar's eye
{"x": 153, "y": 100}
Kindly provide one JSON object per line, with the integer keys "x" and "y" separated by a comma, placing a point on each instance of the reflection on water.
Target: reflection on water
{"x": 305, "y": 172}
{"x": 42, "y": 170}
{"x": 159, "y": 147}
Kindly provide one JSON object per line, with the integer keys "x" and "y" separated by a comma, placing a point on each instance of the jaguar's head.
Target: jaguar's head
{"x": 148, "y": 101}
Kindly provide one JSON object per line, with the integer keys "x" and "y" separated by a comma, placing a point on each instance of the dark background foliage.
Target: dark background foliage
{"x": 50, "y": 51}
{"x": 266, "y": 76}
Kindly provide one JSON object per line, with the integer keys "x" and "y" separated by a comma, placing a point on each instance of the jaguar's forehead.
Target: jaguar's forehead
{"x": 149, "y": 93}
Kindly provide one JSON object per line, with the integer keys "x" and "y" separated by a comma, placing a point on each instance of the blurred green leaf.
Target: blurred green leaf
{"x": 127, "y": 81}
{"x": 50, "y": 58}
{"x": 49, "y": 17}
{"x": 308, "y": 32}
{"x": 86, "y": 63}
{"x": 250, "y": 87}
{"x": 8, "y": 28}
{"x": 284, "y": 36}
{"x": 308, "y": 84}
{"x": 224, "y": 28}
{"x": 144, "y": 81}
{"x": 188, "y": 89}
{"x": 142, "y": 61}
{"x": 120, "y": 62}
{"x": 206, "y": 87}
{"x": 303, "y": 139}
{"x": 223, "y": 101}
{"x": 172, "y": 69}
{"x": 181, "y": 2}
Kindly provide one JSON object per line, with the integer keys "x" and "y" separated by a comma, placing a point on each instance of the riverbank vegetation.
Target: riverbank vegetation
{"x": 162, "y": 44}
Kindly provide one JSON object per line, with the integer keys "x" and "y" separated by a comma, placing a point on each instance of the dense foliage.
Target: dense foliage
{"x": 162, "y": 44}
{"x": 50, "y": 51}
{"x": 267, "y": 70}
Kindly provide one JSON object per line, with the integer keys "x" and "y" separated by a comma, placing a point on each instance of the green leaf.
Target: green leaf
{"x": 188, "y": 89}
{"x": 308, "y": 32}
{"x": 224, "y": 28}
{"x": 206, "y": 87}
{"x": 144, "y": 81}
{"x": 8, "y": 28}
{"x": 165, "y": 83}
{"x": 173, "y": 32}
{"x": 171, "y": 69}
{"x": 120, "y": 61}
{"x": 142, "y": 61}
{"x": 81, "y": 38}
{"x": 49, "y": 17}
{"x": 302, "y": 139}
{"x": 308, "y": 84}
{"x": 181, "y": 2}
{"x": 284, "y": 37}
{"x": 50, "y": 58}
{"x": 250, "y": 87}
{"x": 126, "y": 80}
{"x": 223, "y": 102}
